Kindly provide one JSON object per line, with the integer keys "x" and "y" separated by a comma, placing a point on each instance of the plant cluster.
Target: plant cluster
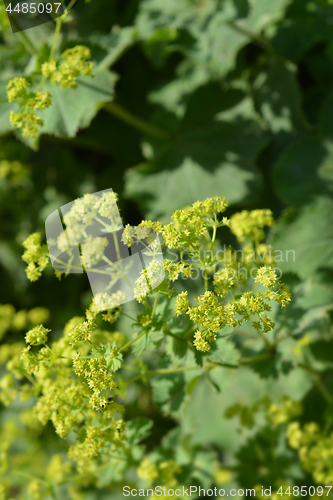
{"x": 77, "y": 379}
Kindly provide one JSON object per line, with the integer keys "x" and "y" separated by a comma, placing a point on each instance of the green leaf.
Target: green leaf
{"x": 138, "y": 429}
{"x": 169, "y": 392}
{"x": 5, "y": 108}
{"x": 177, "y": 348}
{"x": 190, "y": 386}
{"x": 149, "y": 341}
{"x": 309, "y": 308}
{"x": 269, "y": 367}
{"x": 305, "y": 24}
{"x": 326, "y": 117}
{"x": 115, "y": 44}
{"x": 305, "y": 238}
{"x": 213, "y": 153}
{"x": 277, "y": 97}
{"x": 322, "y": 350}
{"x": 172, "y": 96}
{"x": 202, "y": 34}
{"x": 219, "y": 46}
{"x": 71, "y": 109}
{"x": 113, "y": 362}
{"x": 304, "y": 170}
{"x": 263, "y": 13}
{"x": 224, "y": 351}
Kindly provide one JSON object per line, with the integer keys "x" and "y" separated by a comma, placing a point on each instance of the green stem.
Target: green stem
{"x": 154, "y": 307}
{"x": 54, "y": 492}
{"x": 255, "y": 37}
{"x": 132, "y": 341}
{"x": 28, "y": 476}
{"x": 220, "y": 363}
{"x": 212, "y": 364}
{"x": 165, "y": 371}
{"x": 243, "y": 361}
{"x": 127, "y": 316}
{"x": 254, "y": 359}
{"x": 321, "y": 387}
{"x": 133, "y": 379}
{"x": 30, "y": 378}
{"x": 130, "y": 368}
{"x": 262, "y": 336}
{"x": 116, "y": 244}
{"x": 214, "y": 234}
{"x": 31, "y": 48}
{"x": 134, "y": 121}
{"x": 95, "y": 347}
{"x": 324, "y": 392}
{"x": 55, "y": 39}
{"x": 206, "y": 280}
{"x": 73, "y": 2}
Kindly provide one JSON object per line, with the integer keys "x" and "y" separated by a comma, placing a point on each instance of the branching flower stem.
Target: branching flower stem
{"x": 136, "y": 122}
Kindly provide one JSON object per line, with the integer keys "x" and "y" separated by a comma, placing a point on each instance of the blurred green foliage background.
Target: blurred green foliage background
{"x": 191, "y": 99}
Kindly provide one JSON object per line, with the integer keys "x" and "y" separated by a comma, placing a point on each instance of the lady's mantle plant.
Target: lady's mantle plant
{"x": 77, "y": 381}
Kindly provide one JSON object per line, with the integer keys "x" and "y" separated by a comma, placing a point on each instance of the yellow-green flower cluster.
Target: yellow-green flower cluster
{"x": 188, "y": 224}
{"x": 93, "y": 250}
{"x": 19, "y": 320}
{"x": 248, "y": 226}
{"x": 81, "y": 332}
{"x": 209, "y": 313}
{"x": 212, "y": 315}
{"x": 35, "y": 255}
{"x": 147, "y": 470}
{"x": 224, "y": 280}
{"x": 8, "y": 390}
{"x": 315, "y": 450}
{"x": 135, "y": 234}
{"x": 95, "y": 371}
{"x": 245, "y": 413}
{"x": 104, "y": 301}
{"x": 85, "y": 212}
{"x": 149, "y": 278}
{"x": 40, "y": 100}
{"x": 99, "y": 441}
{"x": 10, "y": 355}
{"x": 7, "y": 313}
{"x": 300, "y": 344}
{"x": 283, "y": 413}
{"x": 202, "y": 340}
{"x": 17, "y": 90}
{"x": 275, "y": 414}
{"x": 58, "y": 469}
{"x": 29, "y": 360}
{"x": 163, "y": 473}
{"x": 29, "y": 101}
{"x": 27, "y": 121}
{"x": 268, "y": 278}
{"x": 14, "y": 171}
{"x": 182, "y": 304}
{"x": 37, "y": 335}
{"x": 72, "y": 64}
{"x": 174, "y": 269}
